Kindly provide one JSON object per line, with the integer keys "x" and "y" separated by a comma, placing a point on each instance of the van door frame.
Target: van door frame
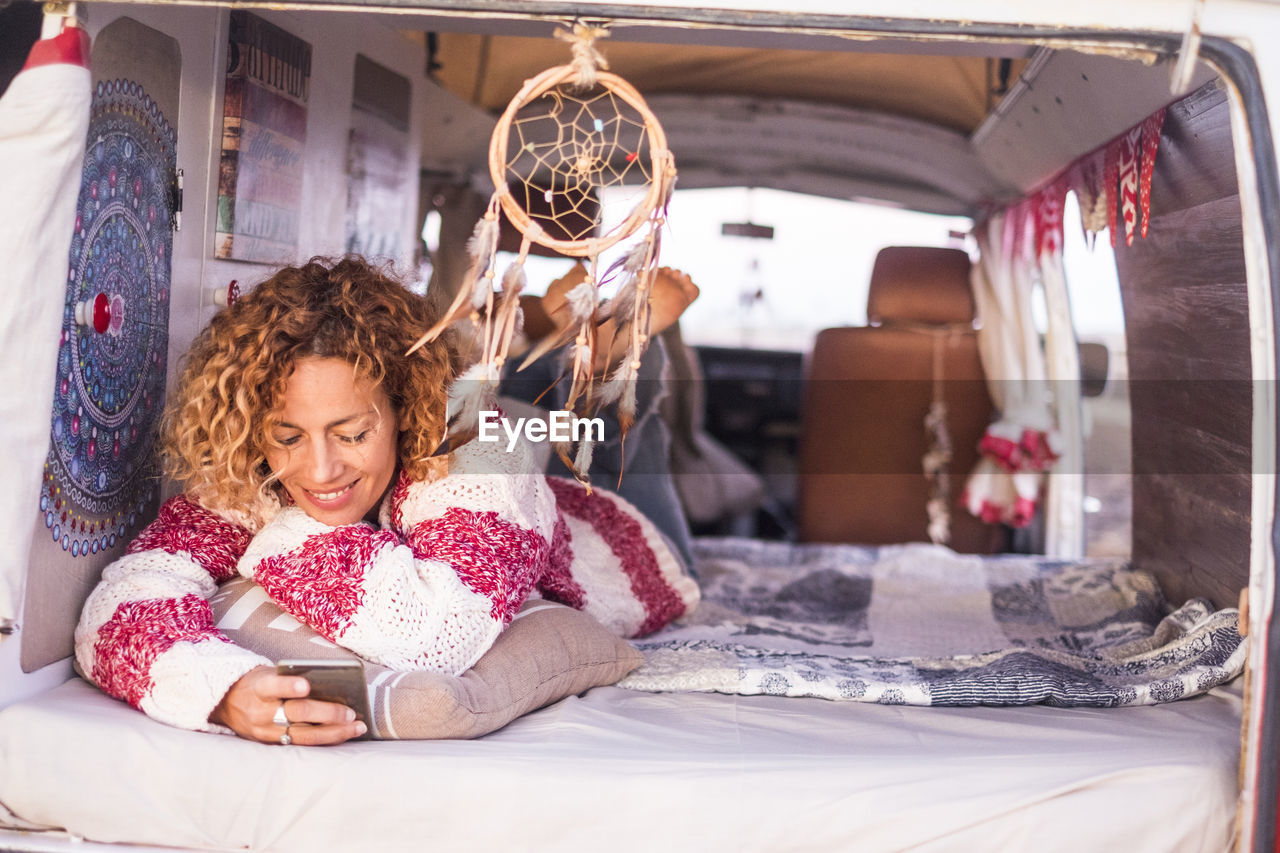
{"x": 1260, "y": 201}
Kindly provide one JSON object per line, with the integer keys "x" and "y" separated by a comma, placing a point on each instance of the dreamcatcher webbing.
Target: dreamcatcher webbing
{"x": 562, "y": 150}
{"x": 592, "y": 130}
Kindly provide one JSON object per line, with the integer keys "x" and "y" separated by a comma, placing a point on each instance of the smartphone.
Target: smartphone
{"x": 340, "y": 681}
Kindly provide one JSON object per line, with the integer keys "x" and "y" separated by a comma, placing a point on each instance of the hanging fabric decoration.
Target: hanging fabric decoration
{"x": 1113, "y": 183}
{"x": 1151, "y": 128}
{"x": 1128, "y": 167}
{"x": 1085, "y": 179}
{"x": 1110, "y": 176}
{"x": 1045, "y": 211}
{"x": 568, "y": 133}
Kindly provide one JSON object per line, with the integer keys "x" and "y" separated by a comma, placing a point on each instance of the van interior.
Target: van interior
{"x": 870, "y": 200}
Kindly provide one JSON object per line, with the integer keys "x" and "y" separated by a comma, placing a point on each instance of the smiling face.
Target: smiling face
{"x": 334, "y": 447}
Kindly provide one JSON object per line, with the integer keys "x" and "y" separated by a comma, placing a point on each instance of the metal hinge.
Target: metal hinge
{"x": 175, "y": 196}
{"x": 59, "y": 14}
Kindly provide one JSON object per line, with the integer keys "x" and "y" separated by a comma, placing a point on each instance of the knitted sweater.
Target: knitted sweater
{"x": 431, "y": 588}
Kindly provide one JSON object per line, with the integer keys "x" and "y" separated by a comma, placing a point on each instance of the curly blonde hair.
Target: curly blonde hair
{"x": 216, "y": 425}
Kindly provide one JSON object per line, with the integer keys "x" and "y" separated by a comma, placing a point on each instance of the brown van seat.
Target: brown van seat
{"x": 918, "y": 284}
{"x": 868, "y": 391}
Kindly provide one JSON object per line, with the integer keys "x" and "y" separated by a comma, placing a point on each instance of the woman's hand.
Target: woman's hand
{"x": 249, "y": 709}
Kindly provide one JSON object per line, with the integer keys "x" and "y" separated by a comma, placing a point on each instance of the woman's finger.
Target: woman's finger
{"x": 273, "y": 687}
{"x": 305, "y": 735}
{"x": 315, "y": 712}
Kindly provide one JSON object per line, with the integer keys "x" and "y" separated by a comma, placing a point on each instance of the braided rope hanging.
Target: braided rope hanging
{"x": 937, "y": 458}
{"x": 569, "y": 132}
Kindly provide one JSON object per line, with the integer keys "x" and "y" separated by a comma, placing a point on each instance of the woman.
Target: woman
{"x": 303, "y": 435}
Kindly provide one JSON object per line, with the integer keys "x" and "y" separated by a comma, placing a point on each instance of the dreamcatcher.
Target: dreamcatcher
{"x": 568, "y": 133}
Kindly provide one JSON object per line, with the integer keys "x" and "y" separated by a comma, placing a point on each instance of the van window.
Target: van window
{"x": 773, "y": 292}
{"x": 777, "y": 293}
{"x": 1098, "y": 316}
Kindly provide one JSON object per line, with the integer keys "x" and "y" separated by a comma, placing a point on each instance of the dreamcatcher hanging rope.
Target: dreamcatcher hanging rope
{"x": 570, "y": 132}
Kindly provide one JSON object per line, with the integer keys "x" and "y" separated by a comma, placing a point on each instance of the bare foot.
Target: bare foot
{"x": 537, "y": 323}
{"x": 672, "y": 291}
{"x": 558, "y": 292}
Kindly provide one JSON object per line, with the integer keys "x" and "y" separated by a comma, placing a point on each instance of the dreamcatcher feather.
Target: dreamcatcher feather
{"x": 592, "y": 132}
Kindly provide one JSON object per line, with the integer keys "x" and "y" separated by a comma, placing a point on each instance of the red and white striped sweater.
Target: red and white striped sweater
{"x": 452, "y": 563}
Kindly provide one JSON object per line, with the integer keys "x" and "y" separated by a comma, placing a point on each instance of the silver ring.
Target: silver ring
{"x": 280, "y": 719}
{"x": 285, "y": 740}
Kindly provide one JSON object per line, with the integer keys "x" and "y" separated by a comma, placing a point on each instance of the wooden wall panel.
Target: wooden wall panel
{"x": 1187, "y": 323}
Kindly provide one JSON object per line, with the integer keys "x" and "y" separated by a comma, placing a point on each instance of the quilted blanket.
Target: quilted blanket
{"x": 922, "y": 625}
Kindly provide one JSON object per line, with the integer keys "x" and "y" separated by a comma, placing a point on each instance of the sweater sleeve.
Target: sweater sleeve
{"x": 363, "y": 588}
{"x": 146, "y": 634}
{"x": 493, "y": 519}
{"x": 611, "y": 561}
{"x": 432, "y": 591}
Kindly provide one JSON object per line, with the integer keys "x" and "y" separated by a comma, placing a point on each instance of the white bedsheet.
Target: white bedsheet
{"x": 620, "y": 770}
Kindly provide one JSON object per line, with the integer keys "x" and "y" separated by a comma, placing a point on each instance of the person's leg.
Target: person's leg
{"x": 637, "y": 468}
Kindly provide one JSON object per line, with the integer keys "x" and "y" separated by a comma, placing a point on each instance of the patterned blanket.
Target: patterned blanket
{"x": 922, "y": 625}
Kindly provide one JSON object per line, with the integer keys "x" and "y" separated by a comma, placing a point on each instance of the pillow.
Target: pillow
{"x": 548, "y": 652}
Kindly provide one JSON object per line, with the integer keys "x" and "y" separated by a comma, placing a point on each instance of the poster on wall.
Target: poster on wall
{"x": 378, "y": 197}
{"x": 264, "y": 134}
{"x": 101, "y": 478}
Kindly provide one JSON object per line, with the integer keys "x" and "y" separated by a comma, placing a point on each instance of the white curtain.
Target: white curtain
{"x": 1022, "y": 245}
{"x": 1064, "y": 490}
{"x": 1017, "y": 449}
{"x": 44, "y": 116}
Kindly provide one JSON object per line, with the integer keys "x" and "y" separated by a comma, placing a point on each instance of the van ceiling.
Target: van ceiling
{"x": 811, "y": 113}
{"x": 950, "y": 91}
{"x": 924, "y": 119}
{"x": 929, "y": 124}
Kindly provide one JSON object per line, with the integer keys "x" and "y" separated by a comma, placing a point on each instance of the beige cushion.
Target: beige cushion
{"x": 549, "y": 652}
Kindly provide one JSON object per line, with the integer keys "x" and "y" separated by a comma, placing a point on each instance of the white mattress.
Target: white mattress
{"x": 619, "y": 770}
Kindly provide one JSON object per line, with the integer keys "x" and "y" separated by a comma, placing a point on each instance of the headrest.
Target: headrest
{"x": 921, "y": 285}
